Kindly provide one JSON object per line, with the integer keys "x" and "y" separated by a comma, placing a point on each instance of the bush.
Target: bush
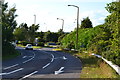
{"x": 40, "y": 44}
{"x": 24, "y": 43}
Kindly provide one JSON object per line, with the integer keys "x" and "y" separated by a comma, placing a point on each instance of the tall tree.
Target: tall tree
{"x": 25, "y": 33}
{"x": 108, "y": 41}
{"x": 8, "y": 22}
{"x": 8, "y": 25}
{"x": 21, "y": 32}
{"x": 31, "y": 31}
{"x": 86, "y": 23}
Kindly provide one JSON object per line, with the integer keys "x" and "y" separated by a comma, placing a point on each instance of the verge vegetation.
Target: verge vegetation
{"x": 93, "y": 67}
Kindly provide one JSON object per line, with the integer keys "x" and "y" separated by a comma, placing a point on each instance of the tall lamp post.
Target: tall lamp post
{"x": 77, "y": 24}
{"x": 62, "y": 22}
{"x": 34, "y": 19}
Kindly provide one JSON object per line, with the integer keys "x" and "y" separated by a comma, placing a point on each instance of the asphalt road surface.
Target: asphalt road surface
{"x": 41, "y": 63}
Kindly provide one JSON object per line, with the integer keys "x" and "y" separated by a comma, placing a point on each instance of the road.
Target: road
{"x": 41, "y": 63}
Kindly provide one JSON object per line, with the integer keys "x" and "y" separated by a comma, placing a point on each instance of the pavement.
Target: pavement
{"x": 41, "y": 63}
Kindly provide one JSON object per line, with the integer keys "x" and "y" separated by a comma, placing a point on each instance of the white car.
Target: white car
{"x": 29, "y": 47}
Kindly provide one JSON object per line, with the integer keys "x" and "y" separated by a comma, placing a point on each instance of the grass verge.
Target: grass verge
{"x": 93, "y": 67}
{"x": 32, "y": 46}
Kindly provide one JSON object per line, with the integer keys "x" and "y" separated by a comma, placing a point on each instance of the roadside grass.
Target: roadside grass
{"x": 32, "y": 46}
{"x": 20, "y": 45}
{"x": 57, "y": 49}
{"x": 93, "y": 67}
{"x": 37, "y": 47}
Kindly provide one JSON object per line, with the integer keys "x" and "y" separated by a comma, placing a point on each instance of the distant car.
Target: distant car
{"x": 52, "y": 44}
{"x": 29, "y": 47}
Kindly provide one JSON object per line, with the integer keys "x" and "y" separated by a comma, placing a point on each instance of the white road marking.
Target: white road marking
{"x": 46, "y": 65}
{"x": 29, "y": 75}
{"x": 52, "y": 57}
{"x": 10, "y": 66}
{"x": 52, "y": 60}
{"x": 27, "y": 56}
{"x": 64, "y": 58}
{"x": 15, "y": 71}
{"x": 59, "y": 71}
{"x": 30, "y": 58}
{"x": 12, "y": 71}
{"x": 24, "y": 56}
{"x": 61, "y": 57}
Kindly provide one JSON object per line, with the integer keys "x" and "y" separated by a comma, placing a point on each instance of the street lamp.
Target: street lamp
{"x": 34, "y": 19}
{"x": 62, "y": 22}
{"x": 77, "y": 24}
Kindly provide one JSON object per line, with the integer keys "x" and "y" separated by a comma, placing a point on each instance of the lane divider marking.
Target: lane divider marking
{"x": 28, "y": 75}
{"x": 46, "y": 65}
{"x": 30, "y": 58}
{"x": 12, "y": 71}
{"x": 11, "y": 66}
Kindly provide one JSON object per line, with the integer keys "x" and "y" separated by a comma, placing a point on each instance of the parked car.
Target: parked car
{"x": 29, "y": 47}
{"x": 51, "y": 44}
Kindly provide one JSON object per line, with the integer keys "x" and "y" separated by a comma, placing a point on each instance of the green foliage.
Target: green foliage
{"x": 8, "y": 26}
{"x": 102, "y": 39}
{"x": 40, "y": 44}
{"x": 50, "y": 37}
{"x": 85, "y": 36}
{"x": 8, "y": 22}
{"x": 86, "y": 23}
{"x": 25, "y": 33}
{"x": 24, "y": 43}
{"x": 107, "y": 42}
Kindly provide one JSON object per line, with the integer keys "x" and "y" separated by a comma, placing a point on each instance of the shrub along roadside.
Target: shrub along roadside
{"x": 9, "y": 52}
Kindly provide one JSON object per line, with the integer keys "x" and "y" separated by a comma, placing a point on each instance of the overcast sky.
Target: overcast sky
{"x": 47, "y": 12}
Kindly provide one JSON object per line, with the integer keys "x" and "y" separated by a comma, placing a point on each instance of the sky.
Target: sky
{"x": 47, "y": 12}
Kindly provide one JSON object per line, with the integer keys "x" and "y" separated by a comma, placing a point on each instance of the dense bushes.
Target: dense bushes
{"x": 9, "y": 51}
{"x": 85, "y": 36}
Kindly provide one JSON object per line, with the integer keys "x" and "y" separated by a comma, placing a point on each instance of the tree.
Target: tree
{"x": 108, "y": 40}
{"x": 25, "y": 33}
{"x": 20, "y": 33}
{"x": 86, "y": 23}
{"x": 8, "y": 25}
{"x": 31, "y": 32}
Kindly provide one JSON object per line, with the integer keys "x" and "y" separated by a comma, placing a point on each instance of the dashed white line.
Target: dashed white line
{"x": 30, "y": 58}
{"x": 46, "y": 65}
{"x": 29, "y": 75}
{"x": 12, "y": 71}
{"x": 24, "y": 56}
{"x": 15, "y": 71}
{"x": 10, "y": 66}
